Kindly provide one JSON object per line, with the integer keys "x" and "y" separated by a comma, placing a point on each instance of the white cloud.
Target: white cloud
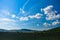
{"x": 50, "y": 13}
{"x": 53, "y": 17}
{"x": 46, "y": 24}
{"x": 4, "y": 13}
{"x": 13, "y": 16}
{"x": 8, "y": 24}
{"x": 25, "y": 4}
{"x": 37, "y": 16}
{"x": 52, "y": 23}
{"x": 55, "y": 22}
{"x": 22, "y": 9}
{"x": 24, "y": 19}
{"x": 48, "y": 9}
{"x": 6, "y": 19}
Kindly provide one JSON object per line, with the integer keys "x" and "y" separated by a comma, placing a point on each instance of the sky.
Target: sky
{"x": 29, "y": 14}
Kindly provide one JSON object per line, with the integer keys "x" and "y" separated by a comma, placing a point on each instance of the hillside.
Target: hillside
{"x": 53, "y": 34}
{"x": 55, "y": 29}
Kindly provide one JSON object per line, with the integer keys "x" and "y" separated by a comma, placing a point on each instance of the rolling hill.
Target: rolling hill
{"x": 53, "y": 34}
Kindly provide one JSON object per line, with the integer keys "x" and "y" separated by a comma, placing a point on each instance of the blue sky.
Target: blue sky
{"x": 29, "y": 14}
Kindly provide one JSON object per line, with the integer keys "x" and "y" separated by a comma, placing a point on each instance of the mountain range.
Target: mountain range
{"x": 57, "y": 29}
{"x": 27, "y": 34}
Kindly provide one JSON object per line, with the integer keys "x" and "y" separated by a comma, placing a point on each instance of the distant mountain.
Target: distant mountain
{"x": 57, "y": 29}
{"x": 22, "y": 30}
{"x": 2, "y": 30}
{"x": 27, "y": 34}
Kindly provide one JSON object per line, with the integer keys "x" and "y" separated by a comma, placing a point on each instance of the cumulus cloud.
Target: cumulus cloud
{"x": 50, "y": 13}
{"x": 24, "y": 19}
{"x": 47, "y": 9}
{"x": 53, "y": 17}
{"x": 55, "y": 22}
{"x": 46, "y": 24}
{"x": 37, "y": 16}
{"x": 52, "y": 23}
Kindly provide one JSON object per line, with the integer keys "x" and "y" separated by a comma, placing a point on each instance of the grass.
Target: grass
{"x": 53, "y": 34}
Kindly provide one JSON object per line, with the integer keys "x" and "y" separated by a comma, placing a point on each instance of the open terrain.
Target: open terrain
{"x": 53, "y": 34}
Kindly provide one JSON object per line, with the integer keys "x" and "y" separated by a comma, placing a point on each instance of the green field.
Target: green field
{"x": 53, "y": 34}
